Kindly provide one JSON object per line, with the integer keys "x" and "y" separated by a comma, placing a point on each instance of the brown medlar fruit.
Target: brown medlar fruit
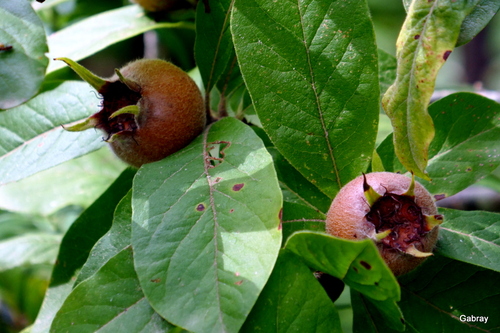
{"x": 393, "y": 210}
{"x": 150, "y": 109}
{"x": 156, "y": 5}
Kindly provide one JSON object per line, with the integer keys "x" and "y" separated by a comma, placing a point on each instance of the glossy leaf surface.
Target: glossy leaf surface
{"x": 286, "y": 306}
{"x": 311, "y": 70}
{"x": 32, "y": 138}
{"x": 109, "y": 301}
{"x": 22, "y": 53}
{"x": 472, "y": 237}
{"x": 95, "y": 33}
{"x": 205, "y": 228}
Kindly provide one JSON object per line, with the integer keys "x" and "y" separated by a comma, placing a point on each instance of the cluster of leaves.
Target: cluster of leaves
{"x": 225, "y": 234}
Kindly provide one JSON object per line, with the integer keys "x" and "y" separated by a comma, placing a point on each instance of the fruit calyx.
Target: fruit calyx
{"x": 119, "y": 103}
{"x": 399, "y": 221}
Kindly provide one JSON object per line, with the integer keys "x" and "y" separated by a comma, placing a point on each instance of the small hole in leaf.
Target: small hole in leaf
{"x": 216, "y": 152}
{"x": 365, "y": 264}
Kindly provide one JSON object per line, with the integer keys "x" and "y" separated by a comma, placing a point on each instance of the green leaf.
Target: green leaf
{"x": 92, "y": 224}
{"x": 32, "y": 138}
{"x": 286, "y": 306}
{"x": 441, "y": 290}
{"x": 206, "y": 228}
{"x": 109, "y": 301}
{"x": 304, "y": 205}
{"x": 369, "y": 312}
{"x": 465, "y": 148}
{"x": 114, "y": 241}
{"x": 97, "y": 32}
{"x": 357, "y": 263}
{"x": 472, "y": 237}
{"x": 475, "y": 21}
{"x": 311, "y": 70}
{"x": 428, "y": 36}
{"x": 387, "y": 66}
{"x": 478, "y": 18}
{"x": 213, "y": 47}
{"x": 22, "y": 67}
{"x": 28, "y": 249}
{"x": 75, "y": 182}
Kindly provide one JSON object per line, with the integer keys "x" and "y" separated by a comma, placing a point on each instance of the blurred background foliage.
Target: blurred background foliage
{"x": 36, "y": 212}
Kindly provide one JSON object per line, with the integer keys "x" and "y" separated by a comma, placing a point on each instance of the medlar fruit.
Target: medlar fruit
{"x": 395, "y": 211}
{"x": 150, "y": 109}
{"x": 156, "y": 5}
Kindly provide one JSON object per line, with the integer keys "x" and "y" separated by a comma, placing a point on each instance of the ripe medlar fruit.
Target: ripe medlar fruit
{"x": 395, "y": 211}
{"x": 150, "y": 109}
{"x": 156, "y": 5}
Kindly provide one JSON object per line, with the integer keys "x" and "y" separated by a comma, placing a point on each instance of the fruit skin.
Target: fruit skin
{"x": 172, "y": 112}
{"x": 156, "y": 5}
{"x": 346, "y": 217}
{"x": 150, "y": 110}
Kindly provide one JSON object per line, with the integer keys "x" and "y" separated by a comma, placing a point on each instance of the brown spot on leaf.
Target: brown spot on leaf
{"x": 200, "y": 207}
{"x": 438, "y": 197}
{"x": 237, "y": 187}
{"x": 416, "y": 36}
{"x": 239, "y": 283}
{"x": 355, "y": 269}
{"x": 5, "y": 47}
{"x": 446, "y": 55}
{"x": 156, "y": 280}
{"x": 365, "y": 264}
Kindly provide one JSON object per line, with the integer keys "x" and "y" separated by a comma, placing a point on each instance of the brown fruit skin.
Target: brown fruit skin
{"x": 346, "y": 216}
{"x": 172, "y": 112}
{"x": 156, "y": 5}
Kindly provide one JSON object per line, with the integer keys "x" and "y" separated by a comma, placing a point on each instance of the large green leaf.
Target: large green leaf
{"x": 357, "y": 263}
{"x": 205, "y": 228}
{"x": 311, "y": 69}
{"x": 115, "y": 240}
{"x": 22, "y": 53}
{"x": 368, "y": 312}
{"x": 428, "y": 36}
{"x": 472, "y": 237}
{"x": 110, "y": 301}
{"x": 466, "y": 146}
{"x": 95, "y": 33}
{"x": 436, "y": 296}
{"x": 92, "y": 224}
{"x": 214, "y": 47}
{"x": 304, "y": 205}
{"x": 285, "y": 305}
{"x": 32, "y": 138}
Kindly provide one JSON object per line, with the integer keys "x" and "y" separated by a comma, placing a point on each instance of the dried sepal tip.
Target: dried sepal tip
{"x": 432, "y": 221}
